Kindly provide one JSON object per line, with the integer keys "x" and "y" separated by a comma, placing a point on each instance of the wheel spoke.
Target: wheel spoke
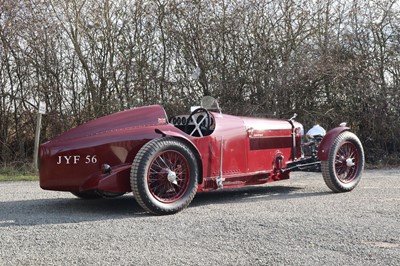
{"x": 163, "y": 161}
{"x": 157, "y": 164}
{"x": 160, "y": 187}
{"x": 345, "y": 172}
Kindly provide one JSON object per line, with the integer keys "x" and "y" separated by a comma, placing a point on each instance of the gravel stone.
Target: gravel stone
{"x": 293, "y": 222}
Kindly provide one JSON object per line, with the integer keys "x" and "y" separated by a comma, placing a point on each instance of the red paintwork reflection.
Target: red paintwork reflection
{"x": 121, "y": 121}
{"x": 113, "y": 139}
{"x": 249, "y": 148}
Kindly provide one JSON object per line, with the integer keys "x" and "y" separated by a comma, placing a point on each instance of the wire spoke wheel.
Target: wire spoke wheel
{"x": 168, "y": 178}
{"x": 346, "y": 162}
{"x": 343, "y": 169}
{"x": 164, "y": 175}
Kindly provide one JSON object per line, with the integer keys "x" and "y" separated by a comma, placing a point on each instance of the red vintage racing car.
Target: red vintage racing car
{"x": 166, "y": 162}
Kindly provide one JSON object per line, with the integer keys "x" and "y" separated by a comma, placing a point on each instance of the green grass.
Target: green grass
{"x": 19, "y": 178}
{"x": 17, "y": 174}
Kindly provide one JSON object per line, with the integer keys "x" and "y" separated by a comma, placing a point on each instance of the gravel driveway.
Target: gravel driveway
{"x": 293, "y": 222}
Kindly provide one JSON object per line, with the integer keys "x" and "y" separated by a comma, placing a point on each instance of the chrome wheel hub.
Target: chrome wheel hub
{"x": 172, "y": 177}
{"x": 350, "y": 162}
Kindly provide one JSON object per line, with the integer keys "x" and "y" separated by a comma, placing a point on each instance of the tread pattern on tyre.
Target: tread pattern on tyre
{"x": 141, "y": 164}
{"x": 327, "y": 167}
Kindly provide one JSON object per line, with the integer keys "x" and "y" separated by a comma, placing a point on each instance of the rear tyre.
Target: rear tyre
{"x": 164, "y": 176}
{"x": 343, "y": 169}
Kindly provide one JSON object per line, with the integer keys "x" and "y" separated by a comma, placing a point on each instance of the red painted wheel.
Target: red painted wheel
{"x": 346, "y": 160}
{"x": 168, "y": 176}
{"x": 342, "y": 172}
{"x": 164, "y": 176}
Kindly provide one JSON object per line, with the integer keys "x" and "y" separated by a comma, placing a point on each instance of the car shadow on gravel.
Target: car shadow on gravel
{"x": 67, "y": 210}
{"x": 74, "y": 210}
{"x": 253, "y": 194}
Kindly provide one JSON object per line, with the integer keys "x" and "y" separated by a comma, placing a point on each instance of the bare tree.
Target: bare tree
{"x": 327, "y": 60}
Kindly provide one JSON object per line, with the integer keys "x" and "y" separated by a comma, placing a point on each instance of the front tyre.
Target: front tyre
{"x": 343, "y": 169}
{"x": 164, "y": 176}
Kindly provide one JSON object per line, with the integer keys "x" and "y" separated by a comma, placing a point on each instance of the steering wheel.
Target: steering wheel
{"x": 200, "y": 122}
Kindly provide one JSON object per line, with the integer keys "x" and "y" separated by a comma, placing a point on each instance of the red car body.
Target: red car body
{"x": 96, "y": 158}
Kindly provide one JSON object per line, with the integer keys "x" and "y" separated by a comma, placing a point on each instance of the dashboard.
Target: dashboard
{"x": 181, "y": 120}
{"x": 196, "y": 124}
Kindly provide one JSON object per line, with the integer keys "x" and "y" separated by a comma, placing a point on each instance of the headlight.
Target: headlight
{"x": 316, "y": 130}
